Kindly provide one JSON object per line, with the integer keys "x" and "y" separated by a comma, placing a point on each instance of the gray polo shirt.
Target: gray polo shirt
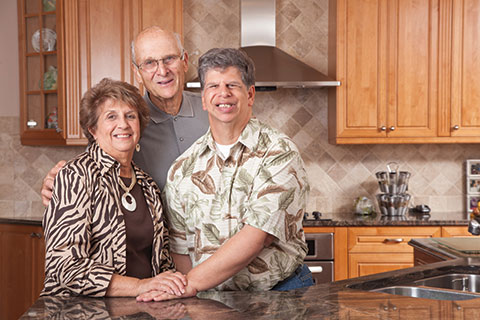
{"x": 167, "y": 137}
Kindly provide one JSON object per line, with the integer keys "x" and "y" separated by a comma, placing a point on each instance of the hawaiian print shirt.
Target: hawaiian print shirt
{"x": 261, "y": 183}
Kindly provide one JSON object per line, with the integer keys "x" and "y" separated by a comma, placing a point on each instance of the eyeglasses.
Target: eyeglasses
{"x": 151, "y": 65}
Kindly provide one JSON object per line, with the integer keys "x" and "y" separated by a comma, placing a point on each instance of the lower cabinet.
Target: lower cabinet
{"x": 22, "y": 261}
{"x": 381, "y": 249}
{"x": 353, "y": 307}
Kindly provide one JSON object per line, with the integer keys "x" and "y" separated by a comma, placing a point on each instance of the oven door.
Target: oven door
{"x": 322, "y": 271}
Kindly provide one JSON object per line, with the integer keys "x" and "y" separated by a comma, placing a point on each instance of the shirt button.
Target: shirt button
{"x": 175, "y": 119}
{"x": 181, "y": 139}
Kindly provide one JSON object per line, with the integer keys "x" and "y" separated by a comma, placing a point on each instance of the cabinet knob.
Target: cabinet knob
{"x": 383, "y": 128}
{"x": 392, "y": 128}
{"x": 456, "y": 127}
{"x": 35, "y": 235}
{"x": 31, "y": 123}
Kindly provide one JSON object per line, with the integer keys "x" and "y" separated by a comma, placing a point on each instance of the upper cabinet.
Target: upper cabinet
{"x": 40, "y": 57}
{"x": 93, "y": 42}
{"x": 407, "y": 71}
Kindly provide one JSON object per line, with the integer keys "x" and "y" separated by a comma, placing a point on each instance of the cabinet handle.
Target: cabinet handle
{"x": 392, "y": 128}
{"x": 398, "y": 240}
{"x": 383, "y": 128}
{"x": 456, "y": 127}
{"x": 317, "y": 269}
{"x": 35, "y": 235}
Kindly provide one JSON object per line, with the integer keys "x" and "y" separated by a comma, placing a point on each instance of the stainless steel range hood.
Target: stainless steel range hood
{"x": 274, "y": 67}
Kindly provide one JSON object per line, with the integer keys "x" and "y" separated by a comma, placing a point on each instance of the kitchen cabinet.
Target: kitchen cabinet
{"x": 456, "y": 231}
{"x": 93, "y": 42}
{"x": 352, "y": 308}
{"x": 340, "y": 270}
{"x": 22, "y": 262}
{"x": 407, "y": 71}
{"x": 380, "y": 249}
{"x": 40, "y": 56}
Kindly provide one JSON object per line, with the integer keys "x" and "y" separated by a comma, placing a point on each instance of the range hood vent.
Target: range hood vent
{"x": 274, "y": 67}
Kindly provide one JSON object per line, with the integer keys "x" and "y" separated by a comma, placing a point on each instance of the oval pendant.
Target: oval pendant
{"x": 130, "y": 206}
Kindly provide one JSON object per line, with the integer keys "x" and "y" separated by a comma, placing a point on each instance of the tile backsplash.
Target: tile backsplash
{"x": 338, "y": 174}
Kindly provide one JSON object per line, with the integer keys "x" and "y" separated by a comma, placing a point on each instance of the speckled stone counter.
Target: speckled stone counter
{"x": 433, "y": 247}
{"x": 343, "y": 220}
{"x": 327, "y": 301}
{"x": 409, "y": 219}
{"x": 32, "y": 221}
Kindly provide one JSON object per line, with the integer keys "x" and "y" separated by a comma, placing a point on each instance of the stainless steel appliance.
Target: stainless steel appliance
{"x": 320, "y": 258}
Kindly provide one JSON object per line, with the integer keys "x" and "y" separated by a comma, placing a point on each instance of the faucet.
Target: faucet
{"x": 474, "y": 226}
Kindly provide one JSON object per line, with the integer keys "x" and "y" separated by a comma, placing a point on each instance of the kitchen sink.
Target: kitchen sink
{"x": 456, "y": 281}
{"x": 428, "y": 293}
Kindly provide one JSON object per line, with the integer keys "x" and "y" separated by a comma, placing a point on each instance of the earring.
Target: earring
{"x": 137, "y": 147}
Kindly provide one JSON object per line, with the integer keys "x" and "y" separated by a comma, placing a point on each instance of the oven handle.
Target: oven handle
{"x": 317, "y": 269}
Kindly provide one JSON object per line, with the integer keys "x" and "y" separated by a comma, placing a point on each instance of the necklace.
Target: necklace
{"x": 128, "y": 201}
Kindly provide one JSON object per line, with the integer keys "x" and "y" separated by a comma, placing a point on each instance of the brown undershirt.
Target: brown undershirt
{"x": 139, "y": 229}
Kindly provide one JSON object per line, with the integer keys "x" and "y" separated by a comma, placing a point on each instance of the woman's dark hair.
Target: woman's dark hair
{"x": 223, "y": 58}
{"x": 105, "y": 90}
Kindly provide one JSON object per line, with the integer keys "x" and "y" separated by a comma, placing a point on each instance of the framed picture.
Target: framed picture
{"x": 472, "y": 202}
{"x": 473, "y": 167}
{"x": 473, "y": 185}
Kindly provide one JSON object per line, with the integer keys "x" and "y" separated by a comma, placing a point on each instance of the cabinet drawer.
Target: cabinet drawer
{"x": 387, "y": 239}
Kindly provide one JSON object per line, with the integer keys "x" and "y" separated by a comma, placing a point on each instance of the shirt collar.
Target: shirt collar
{"x": 104, "y": 161}
{"x": 249, "y": 137}
{"x": 158, "y": 116}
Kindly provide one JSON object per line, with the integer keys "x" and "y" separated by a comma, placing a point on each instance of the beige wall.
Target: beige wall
{"x": 8, "y": 59}
{"x": 338, "y": 174}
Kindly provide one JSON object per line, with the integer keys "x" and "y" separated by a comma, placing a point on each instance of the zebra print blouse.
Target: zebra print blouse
{"x": 85, "y": 228}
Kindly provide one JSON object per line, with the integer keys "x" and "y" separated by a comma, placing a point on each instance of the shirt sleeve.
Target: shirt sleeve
{"x": 279, "y": 193}
{"x": 67, "y": 226}
{"x": 176, "y": 218}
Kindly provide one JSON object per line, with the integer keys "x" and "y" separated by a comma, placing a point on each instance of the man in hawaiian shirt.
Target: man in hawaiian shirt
{"x": 236, "y": 198}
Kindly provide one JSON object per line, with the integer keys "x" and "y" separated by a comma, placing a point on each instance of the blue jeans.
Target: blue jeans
{"x": 300, "y": 278}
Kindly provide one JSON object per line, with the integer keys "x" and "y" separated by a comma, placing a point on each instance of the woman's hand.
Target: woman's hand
{"x": 157, "y": 295}
{"x": 170, "y": 282}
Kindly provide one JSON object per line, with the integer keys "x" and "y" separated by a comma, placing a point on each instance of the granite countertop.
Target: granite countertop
{"x": 410, "y": 219}
{"x": 25, "y": 220}
{"x": 435, "y": 248}
{"x": 341, "y": 220}
{"x": 326, "y": 301}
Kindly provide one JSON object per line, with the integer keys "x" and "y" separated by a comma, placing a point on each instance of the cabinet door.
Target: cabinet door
{"x": 98, "y": 35}
{"x": 22, "y": 263}
{"x": 41, "y": 103}
{"x": 381, "y": 249}
{"x": 387, "y": 62}
{"x": 361, "y": 68}
{"x": 362, "y": 264}
{"x": 465, "y": 118}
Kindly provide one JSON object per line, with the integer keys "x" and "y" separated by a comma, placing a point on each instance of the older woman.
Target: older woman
{"x": 104, "y": 228}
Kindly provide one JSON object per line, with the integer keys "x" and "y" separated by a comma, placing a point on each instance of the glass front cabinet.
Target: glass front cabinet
{"x": 40, "y": 43}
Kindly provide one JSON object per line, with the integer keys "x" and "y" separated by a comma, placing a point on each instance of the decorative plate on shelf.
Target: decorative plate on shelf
{"x": 49, "y": 39}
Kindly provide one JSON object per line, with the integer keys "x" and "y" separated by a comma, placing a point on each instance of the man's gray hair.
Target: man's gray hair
{"x": 222, "y": 58}
{"x": 179, "y": 45}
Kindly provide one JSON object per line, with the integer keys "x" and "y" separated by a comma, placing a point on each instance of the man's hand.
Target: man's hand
{"x": 47, "y": 186}
{"x": 172, "y": 282}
